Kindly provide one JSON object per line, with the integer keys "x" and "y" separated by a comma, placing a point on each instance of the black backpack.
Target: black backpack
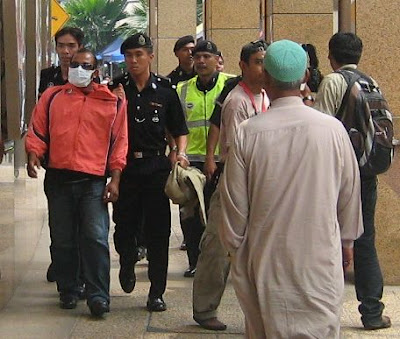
{"x": 365, "y": 114}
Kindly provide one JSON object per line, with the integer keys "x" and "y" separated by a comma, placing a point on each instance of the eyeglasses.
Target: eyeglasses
{"x": 85, "y": 65}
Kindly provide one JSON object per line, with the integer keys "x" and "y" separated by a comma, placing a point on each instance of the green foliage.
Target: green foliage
{"x": 138, "y": 19}
{"x": 98, "y": 19}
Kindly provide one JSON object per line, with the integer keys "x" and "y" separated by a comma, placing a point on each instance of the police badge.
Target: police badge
{"x": 142, "y": 40}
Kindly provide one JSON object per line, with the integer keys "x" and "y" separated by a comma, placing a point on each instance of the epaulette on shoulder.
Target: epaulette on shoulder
{"x": 164, "y": 81}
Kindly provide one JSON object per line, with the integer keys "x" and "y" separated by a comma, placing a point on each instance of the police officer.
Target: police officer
{"x": 153, "y": 111}
{"x": 183, "y": 51}
{"x": 68, "y": 41}
{"x": 198, "y": 96}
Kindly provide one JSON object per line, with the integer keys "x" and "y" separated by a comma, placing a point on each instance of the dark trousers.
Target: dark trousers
{"x": 192, "y": 227}
{"x": 79, "y": 219}
{"x": 143, "y": 205}
{"x": 368, "y": 276}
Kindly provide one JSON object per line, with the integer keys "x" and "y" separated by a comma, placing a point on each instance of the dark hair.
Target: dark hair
{"x": 251, "y": 48}
{"x": 315, "y": 73}
{"x": 74, "y": 31}
{"x": 345, "y": 48}
{"x": 86, "y": 50}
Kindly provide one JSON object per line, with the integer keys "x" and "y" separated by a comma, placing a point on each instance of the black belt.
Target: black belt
{"x": 147, "y": 154}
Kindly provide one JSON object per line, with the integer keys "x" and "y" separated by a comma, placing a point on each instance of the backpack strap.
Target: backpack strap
{"x": 350, "y": 80}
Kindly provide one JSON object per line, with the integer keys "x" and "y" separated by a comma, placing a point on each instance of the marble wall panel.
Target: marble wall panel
{"x": 306, "y": 28}
{"x": 302, "y": 6}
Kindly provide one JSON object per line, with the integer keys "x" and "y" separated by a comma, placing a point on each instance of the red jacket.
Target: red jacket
{"x": 83, "y": 133}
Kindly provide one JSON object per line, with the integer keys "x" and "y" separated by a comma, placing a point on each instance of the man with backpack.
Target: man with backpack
{"x": 355, "y": 99}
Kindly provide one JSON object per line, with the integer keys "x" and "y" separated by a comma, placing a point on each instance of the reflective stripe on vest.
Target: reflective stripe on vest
{"x": 198, "y": 107}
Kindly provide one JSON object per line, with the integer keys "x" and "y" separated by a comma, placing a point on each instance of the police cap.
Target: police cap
{"x": 138, "y": 40}
{"x": 181, "y": 42}
{"x": 205, "y": 46}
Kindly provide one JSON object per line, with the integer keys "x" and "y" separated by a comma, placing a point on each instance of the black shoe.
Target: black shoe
{"x": 127, "y": 278}
{"x": 156, "y": 304}
{"x": 211, "y": 324}
{"x": 51, "y": 273}
{"x": 189, "y": 273}
{"x": 384, "y": 322}
{"x": 68, "y": 301}
{"x": 81, "y": 292}
{"x": 141, "y": 253}
{"x": 99, "y": 307}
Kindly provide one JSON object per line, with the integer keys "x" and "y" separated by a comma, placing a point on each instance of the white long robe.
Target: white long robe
{"x": 290, "y": 197}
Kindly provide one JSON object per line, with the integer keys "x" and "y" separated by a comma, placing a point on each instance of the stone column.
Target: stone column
{"x": 167, "y": 24}
{"x": 232, "y": 24}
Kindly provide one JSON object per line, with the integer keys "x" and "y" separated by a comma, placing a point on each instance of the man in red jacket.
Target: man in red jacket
{"x": 81, "y": 128}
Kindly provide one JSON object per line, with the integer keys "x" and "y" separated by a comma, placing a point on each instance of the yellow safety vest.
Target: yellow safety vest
{"x": 198, "y": 107}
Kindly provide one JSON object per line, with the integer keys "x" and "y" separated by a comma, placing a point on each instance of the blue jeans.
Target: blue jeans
{"x": 367, "y": 272}
{"x": 78, "y": 218}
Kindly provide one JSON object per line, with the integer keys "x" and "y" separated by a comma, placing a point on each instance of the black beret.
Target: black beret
{"x": 205, "y": 46}
{"x": 187, "y": 39}
{"x": 138, "y": 40}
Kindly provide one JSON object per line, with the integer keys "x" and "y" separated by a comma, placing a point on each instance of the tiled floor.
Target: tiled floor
{"x": 33, "y": 312}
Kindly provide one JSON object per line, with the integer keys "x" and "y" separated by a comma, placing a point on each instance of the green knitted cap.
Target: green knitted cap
{"x": 285, "y": 61}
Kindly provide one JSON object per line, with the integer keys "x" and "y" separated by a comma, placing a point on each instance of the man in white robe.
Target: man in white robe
{"x": 290, "y": 196}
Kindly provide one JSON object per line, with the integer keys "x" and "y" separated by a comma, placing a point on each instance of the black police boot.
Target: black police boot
{"x": 127, "y": 277}
{"x": 68, "y": 301}
{"x": 156, "y": 304}
{"x": 99, "y": 307}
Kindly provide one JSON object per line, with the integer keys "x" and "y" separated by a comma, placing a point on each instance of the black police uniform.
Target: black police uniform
{"x": 178, "y": 74}
{"x": 142, "y": 201}
{"x": 50, "y": 77}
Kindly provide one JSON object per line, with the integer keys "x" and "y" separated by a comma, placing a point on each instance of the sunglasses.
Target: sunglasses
{"x": 261, "y": 45}
{"x": 85, "y": 66}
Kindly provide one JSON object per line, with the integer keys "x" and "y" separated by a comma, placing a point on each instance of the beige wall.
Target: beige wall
{"x": 303, "y": 21}
{"x": 170, "y": 24}
{"x": 230, "y": 29}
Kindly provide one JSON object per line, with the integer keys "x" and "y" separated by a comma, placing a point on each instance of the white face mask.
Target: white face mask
{"x": 80, "y": 77}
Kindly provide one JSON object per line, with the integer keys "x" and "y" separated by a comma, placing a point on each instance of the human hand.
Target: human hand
{"x": 111, "y": 192}
{"x": 347, "y": 255}
{"x": 209, "y": 167}
{"x": 33, "y": 163}
{"x": 183, "y": 160}
{"x": 119, "y": 91}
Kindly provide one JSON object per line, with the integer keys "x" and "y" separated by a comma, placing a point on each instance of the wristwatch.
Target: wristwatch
{"x": 174, "y": 148}
{"x": 308, "y": 98}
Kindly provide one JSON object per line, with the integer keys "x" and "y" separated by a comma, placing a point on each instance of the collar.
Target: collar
{"x": 347, "y": 66}
{"x": 210, "y": 85}
{"x": 181, "y": 71}
{"x": 151, "y": 82}
{"x": 287, "y": 101}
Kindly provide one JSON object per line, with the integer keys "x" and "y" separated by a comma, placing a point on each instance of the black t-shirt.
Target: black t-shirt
{"x": 150, "y": 113}
{"x": 178, "y": 74}
{"x": 230, "y": 84}
{"x": 50, "y": 77}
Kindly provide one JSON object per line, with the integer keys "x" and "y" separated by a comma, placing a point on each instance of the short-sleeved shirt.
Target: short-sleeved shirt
{"x": 152, "y": 111}
{"x": 50, "y": 77}
{"x": 237, "y": 108}
{"x": 331, "y": 92}
{"x": 230, "y": 84}
{"x": 178, "y": 74}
